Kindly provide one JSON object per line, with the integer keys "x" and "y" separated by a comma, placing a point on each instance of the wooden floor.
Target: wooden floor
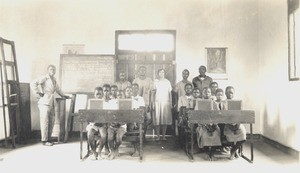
{"x": 158, "y": 156}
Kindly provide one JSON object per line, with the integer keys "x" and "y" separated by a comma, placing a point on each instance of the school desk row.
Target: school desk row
{"x": 194, "y": 117}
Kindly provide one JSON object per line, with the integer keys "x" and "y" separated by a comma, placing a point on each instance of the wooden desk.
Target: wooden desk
{"x": 224, "y": 116}
{"x": 112, "y": 116}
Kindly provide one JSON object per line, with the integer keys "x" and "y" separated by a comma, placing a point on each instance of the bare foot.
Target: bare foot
{"x": 237, "y": 155}
{"x": 94, "y": 157}
{"x": 231, "y": 156}
{"x": 111, "y": 156}
{"x": 135, "y": 154}
{"x": 100, "y": 157}
{"x": 106, "y": 151}
{"x": 207, "y": 157}
{"x": 212, "y": 158}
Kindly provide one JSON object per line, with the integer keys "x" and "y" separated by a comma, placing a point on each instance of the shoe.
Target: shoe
{"x": 48, "y": 143}
{"x": 157, "y": 138}
{"x": 164, "y": 139}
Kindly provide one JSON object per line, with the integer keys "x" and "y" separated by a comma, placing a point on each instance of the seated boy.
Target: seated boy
{"x": 137, "y": 103}
{"x": 186, "y": 101}
{"x": 208, "y": 135}
{"x": 96, "y": 132}
{"x": 234, "y": 133}
{"x": 115, "y": 131}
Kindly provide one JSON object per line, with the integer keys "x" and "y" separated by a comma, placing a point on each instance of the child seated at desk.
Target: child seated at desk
{"x": 196, "y": 93}
{"x": 186, "y": 101}
{"x": 120, "y": 94}
{"x": 96, "y": 132}
{"x": 208, "y": 135}
{"x": 137, "y": 103}
{"x": 115, "y": 131}
{"x": 220, "y": 104}
{"x": 234, "y": 133}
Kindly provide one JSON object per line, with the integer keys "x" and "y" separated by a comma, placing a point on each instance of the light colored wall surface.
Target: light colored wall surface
{"x": 279, "y": 97}
{"x": 40, "y": 28}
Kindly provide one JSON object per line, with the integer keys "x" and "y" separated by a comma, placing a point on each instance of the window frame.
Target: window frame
{"x": 293, "y": 58}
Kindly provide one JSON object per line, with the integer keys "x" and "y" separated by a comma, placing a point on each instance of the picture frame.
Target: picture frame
{"x": 216, "y": 62}
{"x": 73, "y": 49}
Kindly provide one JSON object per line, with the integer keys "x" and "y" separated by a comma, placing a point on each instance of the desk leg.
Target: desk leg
{"x": 81, "y": 129}
{"x": 141, "y": 141}
{"x": 192, "y": 141}
{"x": 251, "y": 147}
{"x": 251, "y": 143}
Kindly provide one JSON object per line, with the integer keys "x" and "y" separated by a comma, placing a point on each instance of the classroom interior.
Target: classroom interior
{"x": 254, "y": 33}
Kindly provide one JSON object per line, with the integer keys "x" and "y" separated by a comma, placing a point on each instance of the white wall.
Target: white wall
{"x": 279, "y": 97}
{"x": 40, "y": 28}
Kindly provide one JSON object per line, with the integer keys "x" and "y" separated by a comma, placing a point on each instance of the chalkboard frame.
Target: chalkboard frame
{"x": 84, "y": 56}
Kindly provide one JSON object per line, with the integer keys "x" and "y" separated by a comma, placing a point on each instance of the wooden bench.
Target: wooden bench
{"x": 224, "y": 116}
{"x": 114, "y": 116}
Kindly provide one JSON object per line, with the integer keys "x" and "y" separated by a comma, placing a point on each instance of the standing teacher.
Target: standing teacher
{"x": 163, "y": 104}
{"x": 45, "y": 87}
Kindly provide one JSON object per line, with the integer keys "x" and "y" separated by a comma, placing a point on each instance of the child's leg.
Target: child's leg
{"x": 234, "y": 149}
{"x": 91, "y": 140}
{"x": 207, "y": 151}
{"x": 119, "y": 135}
{"x": 103, "y": 140}
{"x": 157, "y": 131}
{"x": 110, "y": 140}
{"x": 164, "y": 131}
{"x": 136, "y": 151}
{"x": 212, "y": 153}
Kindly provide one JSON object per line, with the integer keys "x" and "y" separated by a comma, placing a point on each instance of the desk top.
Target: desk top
{"x": 224, "y": 116}
{"x": 111, "y": 116}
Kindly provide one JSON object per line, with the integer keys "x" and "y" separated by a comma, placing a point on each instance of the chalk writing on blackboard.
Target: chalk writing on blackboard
{"x": 82, "y": 73}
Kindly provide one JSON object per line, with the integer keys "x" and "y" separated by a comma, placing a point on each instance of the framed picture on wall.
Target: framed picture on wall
{"x": 73, "y": 49}
{"x": 216, "y": 62}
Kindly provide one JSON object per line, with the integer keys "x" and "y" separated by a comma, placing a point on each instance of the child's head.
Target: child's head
{"x": 196, "y": 92}
{"x": 229, "y": 92}
{"x": 128, "y": 92}
{"x": 120, "y": 94}
{"x": 188, "y": 88}
{"x": 219, "y": 94}
{"x": 206, "y": 93}
{"x": 114, "y": 90}
{"x": 135, "y": 89}
{"x": 106, "y": 90}
{"x": 214, "y": 86}
{"x": 121, "y": 76}
{"x": 185, "y": 74}
{"x": 98, "y": 93}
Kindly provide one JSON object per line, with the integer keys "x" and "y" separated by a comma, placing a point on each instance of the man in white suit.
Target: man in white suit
{"x": 45, "y": 86}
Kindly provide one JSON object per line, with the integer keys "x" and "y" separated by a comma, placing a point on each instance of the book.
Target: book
{"x": 95, "y": 104}
{"x": 234, "y": 104}
{"x": 204, "y": 104}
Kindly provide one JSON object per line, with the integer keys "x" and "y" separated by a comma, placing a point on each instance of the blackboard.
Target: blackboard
{"x": 82, "y": 73}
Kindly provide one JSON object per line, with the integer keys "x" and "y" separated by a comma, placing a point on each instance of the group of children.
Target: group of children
{"x": 110, "y": 135}
{"x": 210, "y": 137}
